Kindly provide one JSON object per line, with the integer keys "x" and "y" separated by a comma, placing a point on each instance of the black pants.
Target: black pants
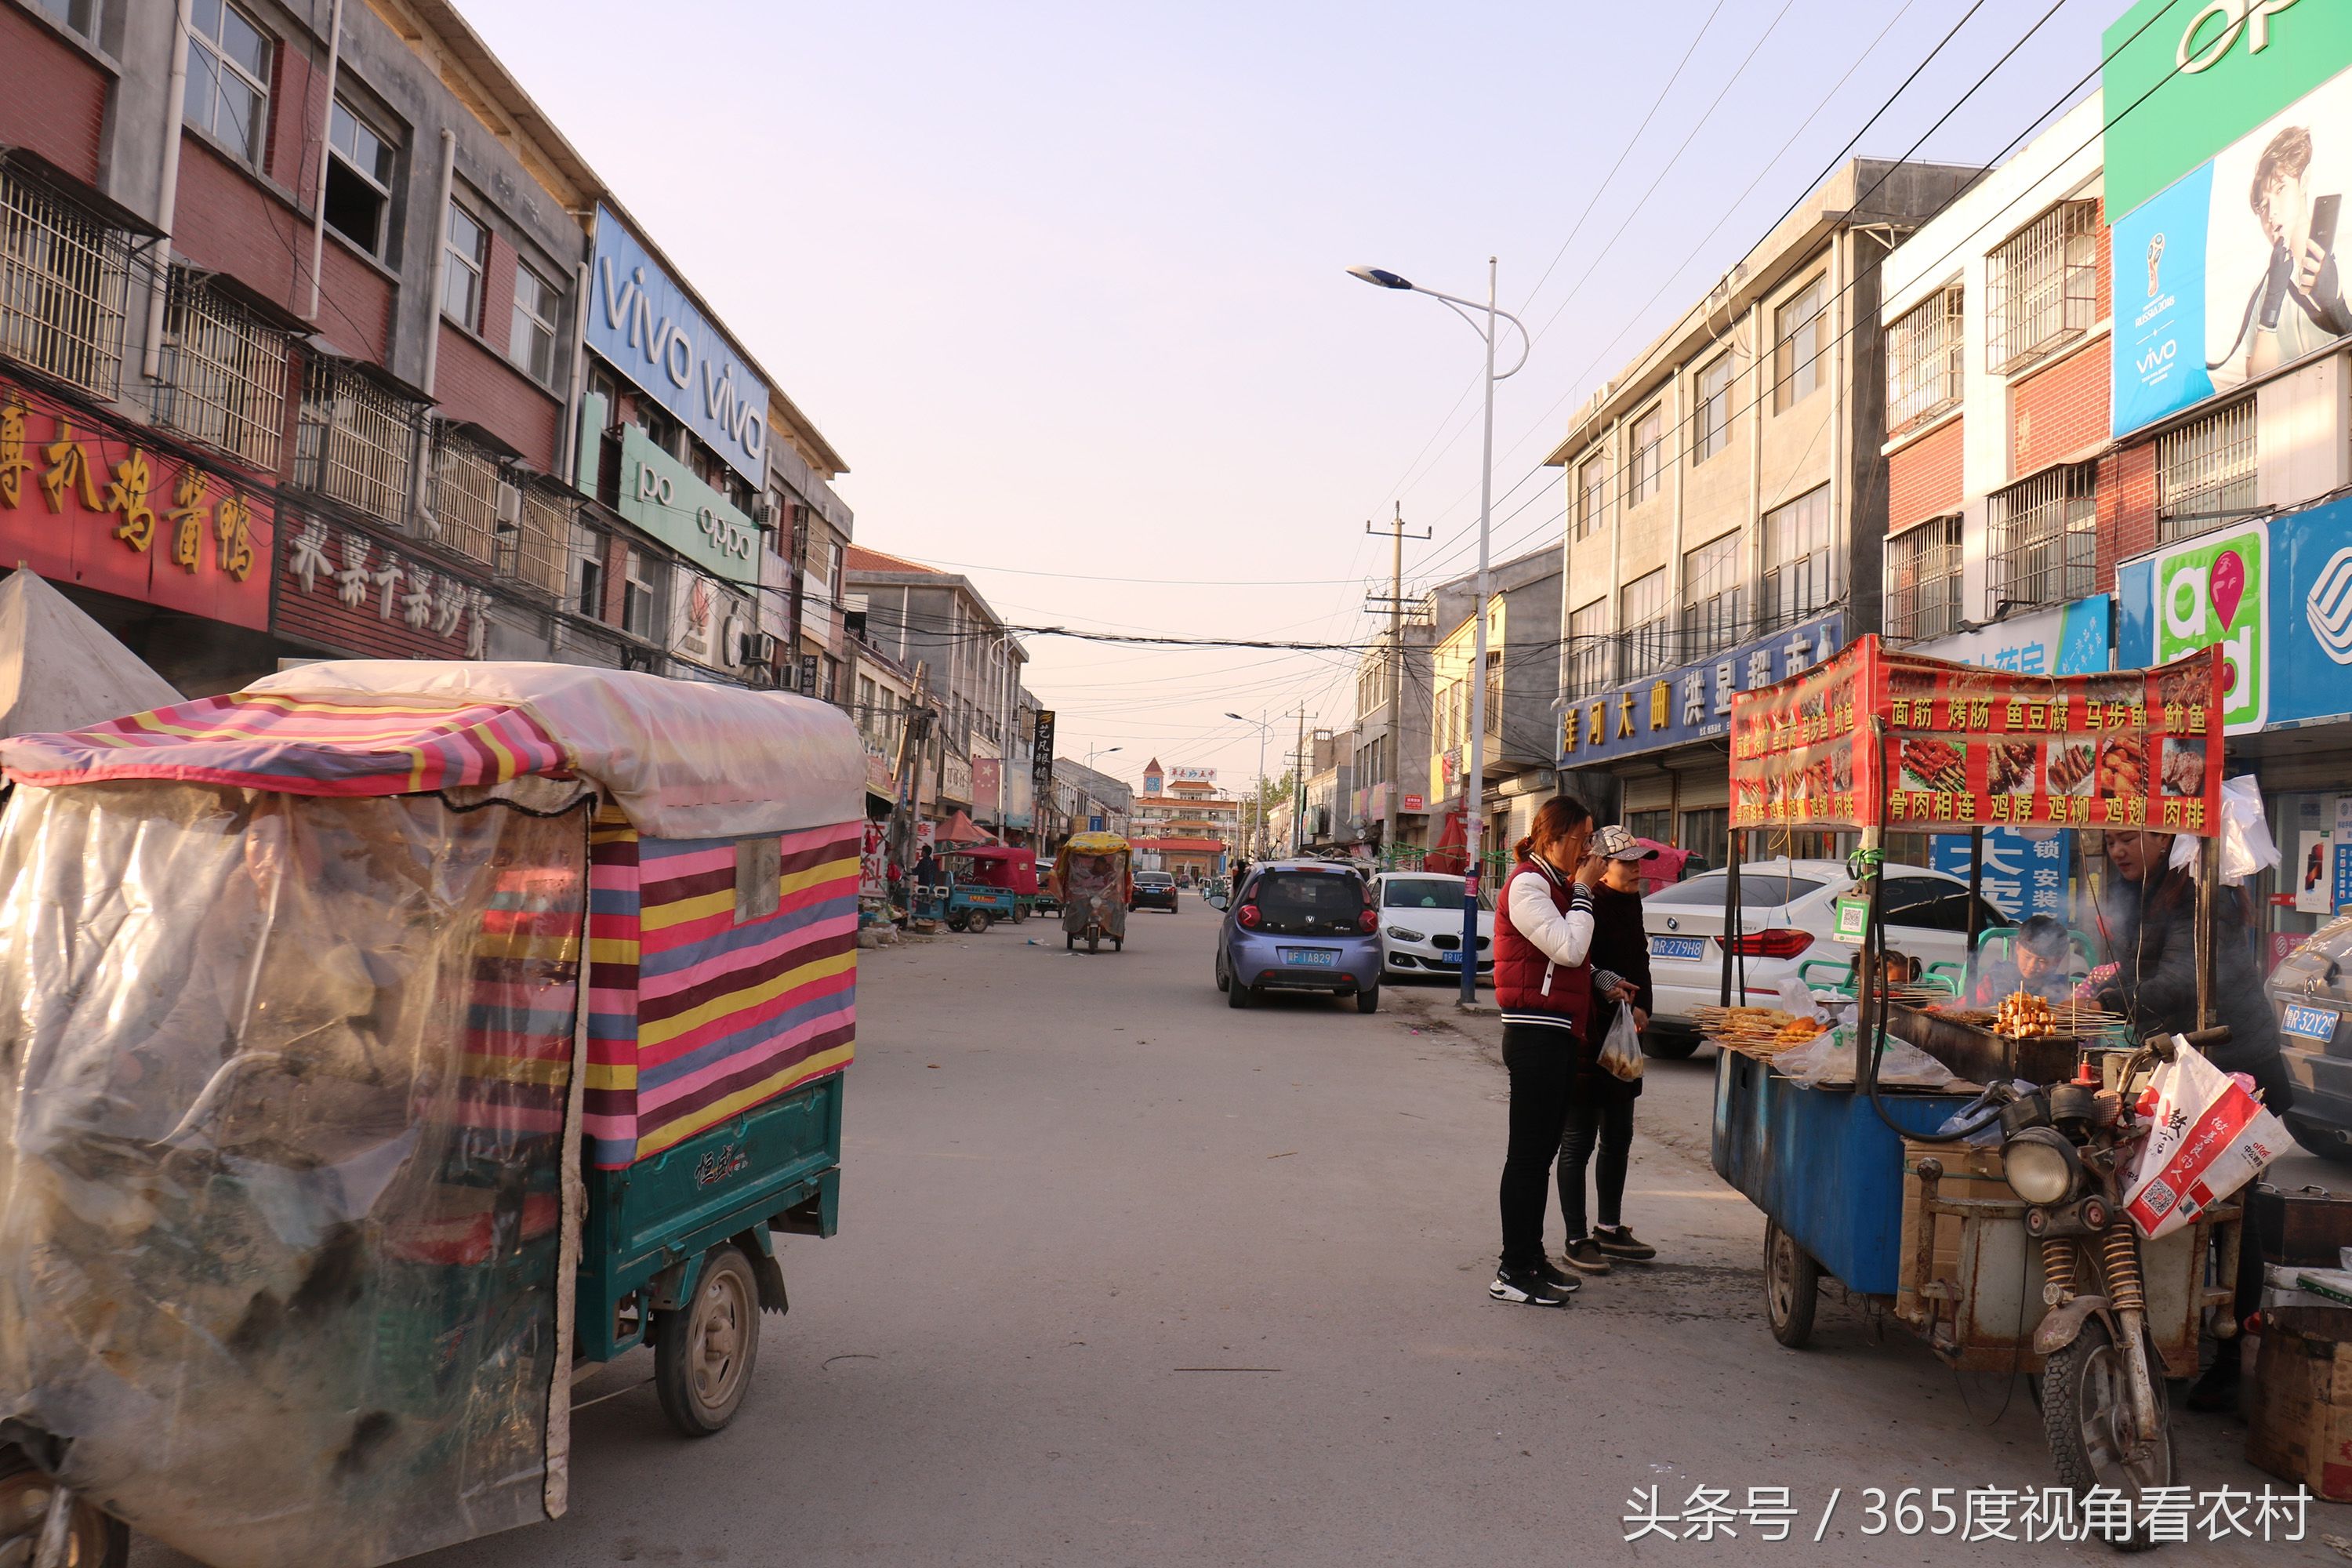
{"x": 1602, "y": 1116}
{"x": 1541, "y": 1061}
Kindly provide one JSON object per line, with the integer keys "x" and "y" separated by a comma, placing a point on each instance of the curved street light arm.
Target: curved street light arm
{"x": 1463, "y": 308}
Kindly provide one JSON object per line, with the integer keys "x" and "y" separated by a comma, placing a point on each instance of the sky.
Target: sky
{"x": 1065, "y": 283}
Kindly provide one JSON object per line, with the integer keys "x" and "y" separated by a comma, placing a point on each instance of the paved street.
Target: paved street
{"x": 1127, "y": 1277}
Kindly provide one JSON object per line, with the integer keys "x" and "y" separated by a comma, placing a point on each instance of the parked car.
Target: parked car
{"x": 1420, "y": 924}
{"x": 2311, "y": 989}
{"x": 1154, "y": 890}
{"x": 1787, "y": 911}
{"x": 1301, "y": 925}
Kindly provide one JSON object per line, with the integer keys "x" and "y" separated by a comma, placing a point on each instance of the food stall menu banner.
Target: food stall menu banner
{"x": 1922, "y": 745}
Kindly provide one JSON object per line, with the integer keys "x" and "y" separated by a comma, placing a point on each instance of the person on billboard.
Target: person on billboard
{"x": 2298, "y": 305}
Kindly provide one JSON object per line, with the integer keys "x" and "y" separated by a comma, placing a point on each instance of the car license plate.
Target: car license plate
{"x": 2311, "y": 1023}
{"x": 1678, "y": 947}
{"x": 1311, "y": 957}
{"x": 1450, "y": 960}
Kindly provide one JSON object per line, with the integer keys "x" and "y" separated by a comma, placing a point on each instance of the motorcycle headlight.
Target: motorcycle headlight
{"x": 2041, "y": 1165}
{"x": 1402, "y": 934}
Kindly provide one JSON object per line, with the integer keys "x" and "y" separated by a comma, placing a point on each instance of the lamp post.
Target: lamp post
{"x": 1002, "y": 653}
{"x": 1258, "y": 806}
{"x": 1473, "y": 784}
{"x": 1092, "y": 753}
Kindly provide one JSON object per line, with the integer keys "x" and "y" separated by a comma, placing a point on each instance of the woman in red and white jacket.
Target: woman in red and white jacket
{"x": 1543, "y": 987}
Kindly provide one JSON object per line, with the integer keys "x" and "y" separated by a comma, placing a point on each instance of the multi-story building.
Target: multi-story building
{"x": 919, "y": 613}
{"x": 1183, "y": 822}
{"x": 2117, "y": 415}
{"x": 1329, "y": 822}
{"x": 1387, "y": 798}
{"x": 291, "y": 353}
{"x": 1522, "y": 691}
{"x": 1085, "y": 800}
{"x": 1727, "y": 498}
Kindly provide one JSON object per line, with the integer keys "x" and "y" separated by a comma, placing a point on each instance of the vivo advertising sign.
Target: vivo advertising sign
{"x": 641, "y": 322}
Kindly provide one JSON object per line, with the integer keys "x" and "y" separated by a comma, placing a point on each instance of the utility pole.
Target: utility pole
{"x": 1394, "y": 603}
{"x": 1298, "y": 787}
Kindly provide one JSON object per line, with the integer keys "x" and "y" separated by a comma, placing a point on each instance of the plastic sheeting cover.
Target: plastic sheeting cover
{"x": 283, "y": 1082}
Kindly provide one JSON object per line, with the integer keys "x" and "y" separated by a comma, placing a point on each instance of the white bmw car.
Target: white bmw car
{"x": 1421, "y": 925}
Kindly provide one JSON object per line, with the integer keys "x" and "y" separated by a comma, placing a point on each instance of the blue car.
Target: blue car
{"x": 1301, "y": 925}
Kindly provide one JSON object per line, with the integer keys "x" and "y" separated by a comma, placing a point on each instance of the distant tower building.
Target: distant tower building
{"x": 1153, "y": 773}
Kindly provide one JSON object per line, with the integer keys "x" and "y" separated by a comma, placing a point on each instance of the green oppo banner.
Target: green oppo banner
{"x": 2186, "y": 78}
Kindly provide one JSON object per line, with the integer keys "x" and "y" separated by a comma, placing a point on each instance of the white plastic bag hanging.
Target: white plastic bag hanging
{"x": 2208, "y": 1137}
{"x": 1621, "y": 1052}
{"x": 1797, "y": 998}
{"x": 2246, "y": 846}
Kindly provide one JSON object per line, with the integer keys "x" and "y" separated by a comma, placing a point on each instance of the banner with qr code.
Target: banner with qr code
{"x": 1875, "y": 738}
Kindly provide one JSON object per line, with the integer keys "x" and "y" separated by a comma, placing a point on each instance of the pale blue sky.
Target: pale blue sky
{"x": 1062, "y": 282}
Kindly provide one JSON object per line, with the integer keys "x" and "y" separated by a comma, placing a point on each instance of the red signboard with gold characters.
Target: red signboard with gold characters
{"x": 1876, "y": 738}
{"x": 82, "y": 502}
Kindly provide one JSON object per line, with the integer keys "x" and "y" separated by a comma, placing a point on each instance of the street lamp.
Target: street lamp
{"x": 1258, "y": 806}
{"x": 1473, "y": 784}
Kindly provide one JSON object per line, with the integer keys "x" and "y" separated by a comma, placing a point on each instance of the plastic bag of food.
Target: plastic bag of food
{"x": 1621, "y": 1053}
{"x": 2246, "y": 846}
{"x": 2208, "y": 1137}
{"x": 1797, "y": 998}
{"x": 1830, "y": 1060}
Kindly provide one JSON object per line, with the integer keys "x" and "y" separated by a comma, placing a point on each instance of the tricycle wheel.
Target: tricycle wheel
{"x": 94, "y": 1538}
{"x": 1118, "y": 944}
{"x": 1792, "y": 1287}
{"x": 980, "y": 922}
{"x": 2086, "y": 1415}
{"x": 1020, "y": 913}
{"x": 955, "y": 922}
{"x": 1094, "y": 943}
{"x": 705, "y": 1350}
{"x": 1070, "y": 942}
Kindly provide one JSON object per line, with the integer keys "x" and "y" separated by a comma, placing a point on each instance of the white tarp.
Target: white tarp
{"x": 683, "y": 759}
{"x": 59, "y": 669}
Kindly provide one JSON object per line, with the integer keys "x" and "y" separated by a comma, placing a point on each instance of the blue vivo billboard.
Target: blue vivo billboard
{"x": 1692, "y": 701}
{"x": 641, "y": 322}
{"x": 2298, "y": 647}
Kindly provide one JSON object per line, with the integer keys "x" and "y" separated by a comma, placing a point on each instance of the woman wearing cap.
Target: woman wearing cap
{"x": 1601, "y": 1107}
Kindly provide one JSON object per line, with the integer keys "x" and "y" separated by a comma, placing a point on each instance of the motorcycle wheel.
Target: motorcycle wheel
{"x": 2086, "y": 1415}
{"x": 94, "y": 1539}
{"x": 1792, "y": 1288}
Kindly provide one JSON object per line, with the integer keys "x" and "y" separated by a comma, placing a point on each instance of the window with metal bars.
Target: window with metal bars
{"x": 355, "y": 440}
{"x": 1923, "y": 580}
{"x": 2041, "y": 285}
{"x": 465, "y": 503}
{"x": 1800, "y": 574}
{"x": 224, "y": 373}
{"x": 539, "y": 553}
{"x": 1649, "y": 632}
{"x": 63, "y": 276}
{"x": 1588, "y": 648}
{"x": 2205, "y": 471}
{"x": 1715, "y": 597}
{"x": 1924, "y": 361}
{"x": 2041, "y": 540}
{"x": 1592, "y": 496}
{"x": 1649, "y": 440}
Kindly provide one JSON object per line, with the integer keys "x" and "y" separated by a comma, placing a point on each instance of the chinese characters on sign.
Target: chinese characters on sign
{"x": 2157, "y": 1515}
{"x": 1900, "y": 740}
{"x": 2022, "y": 875}
{"x": 1692, "y": 701}
{"x": 139, "y": 523}
{"x": 351, "y": 567}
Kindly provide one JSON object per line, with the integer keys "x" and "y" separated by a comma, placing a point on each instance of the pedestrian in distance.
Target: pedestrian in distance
{"x": 927, "y": 869}
{"x": 1601, "y": 1104}
{"x": 1543, "y": 987}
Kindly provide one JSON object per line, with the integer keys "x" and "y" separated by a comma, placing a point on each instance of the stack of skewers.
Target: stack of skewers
{"x": 2023, "y": 1015}
{"x": 1756, "y": 1031}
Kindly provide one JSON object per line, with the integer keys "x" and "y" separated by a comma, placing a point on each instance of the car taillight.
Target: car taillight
{"x": 1248, "y": 916}
{"x": 1367, "y": 920}
{"x": 1783, "y": 942}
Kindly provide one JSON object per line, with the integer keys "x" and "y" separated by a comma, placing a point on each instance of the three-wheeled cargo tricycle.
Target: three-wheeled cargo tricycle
{"x": 1093, "y": 881}
{"x": 388, "y": 1044}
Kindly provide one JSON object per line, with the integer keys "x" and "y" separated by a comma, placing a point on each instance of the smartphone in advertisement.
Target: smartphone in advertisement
{"x": 2323, "y": 212}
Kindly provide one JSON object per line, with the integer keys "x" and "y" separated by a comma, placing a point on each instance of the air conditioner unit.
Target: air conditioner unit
{"x": 764, "y": 514}
{"x": 757, "y": 647}
{"x": 510, "y": 507}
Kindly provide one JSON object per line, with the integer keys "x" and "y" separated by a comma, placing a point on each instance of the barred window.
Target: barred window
{"x": 1800, "y": 341}
{"x": 2041, "y": 540}
{"x": 464, "y": 504}
{"x": 1924, "y": 360}
{"x": 1649, "y": 436}
{"x": 541, "y": 554}
{"x": 1588, "y": 648}
{"x": 1648, "y": 629}
{"x": 224, "y": 373}
{"x": 1711, "y": 424}
{"x": 2041, "y": 285}
{"x": 1592, "y": 495}
{"x": 63, "y": 275}
{"x": 1715, "y": 596}
{"x": 228, "y": 77}
{"x": 2205, "y": 471}
{"x": 356, "y": 439}
{"x": 1800, "y": 573}
{"x": 1923, "y": 580}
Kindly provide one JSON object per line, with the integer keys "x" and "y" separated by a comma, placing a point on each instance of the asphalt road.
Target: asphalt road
{"x": 1127, "y": 1277}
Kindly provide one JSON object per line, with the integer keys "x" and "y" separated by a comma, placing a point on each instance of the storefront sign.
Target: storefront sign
{"x": 880, "y": 779}
{"x": 2184, "y": 79}
{"x": 957, "y": 786}
{"x": 874, "y": 863}
{"x": 2022, "y": 875}
{"x": 1693, "y": 701}
{"x": 1411, "y": 805}
{"x": 1893, "y": 740}
{"x": 662, "y": 496}
{"x": 1041, "y": 755}
{"x": 1192, "y": 775}
{"x": 81, "y": 503}
{"x": 2065, "y": 640}
{"x": 425, "y": 610}
{"x": 641, "y": 322}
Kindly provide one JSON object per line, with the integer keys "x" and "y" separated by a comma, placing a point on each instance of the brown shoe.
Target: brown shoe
{"x": 1584, "y": 1255}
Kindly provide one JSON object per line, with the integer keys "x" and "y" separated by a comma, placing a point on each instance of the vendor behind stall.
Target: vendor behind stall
{"x": 2038, "y": 964}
